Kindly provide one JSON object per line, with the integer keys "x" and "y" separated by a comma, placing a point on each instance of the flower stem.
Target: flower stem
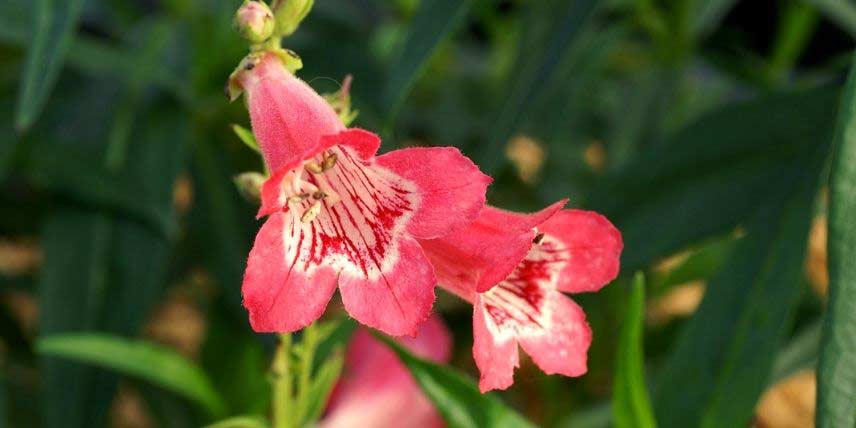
{"x": 282, "y": 394}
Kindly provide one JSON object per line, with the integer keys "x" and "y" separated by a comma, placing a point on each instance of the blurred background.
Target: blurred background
{"x": 702, "y": 129}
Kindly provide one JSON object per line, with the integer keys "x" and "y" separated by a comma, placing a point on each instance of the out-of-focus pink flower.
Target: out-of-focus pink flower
{"x": 340, "y": 215}
{"x": 513, "y": 268}
{"x": 377, "y": 391}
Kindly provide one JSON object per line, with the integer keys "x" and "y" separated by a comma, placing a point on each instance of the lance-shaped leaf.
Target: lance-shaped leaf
{"x": 725, "y": 356}
{"x": 55, "y": 22}
{"x": 836, "y": 405}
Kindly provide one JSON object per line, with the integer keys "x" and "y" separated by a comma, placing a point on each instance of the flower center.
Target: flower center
{"x": 308, "y": 187}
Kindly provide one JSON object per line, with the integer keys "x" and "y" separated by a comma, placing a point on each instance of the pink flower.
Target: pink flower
{"x": 513, "y": 268}
{"x": 377, "y": 391}
{"x": 338, "y": 215}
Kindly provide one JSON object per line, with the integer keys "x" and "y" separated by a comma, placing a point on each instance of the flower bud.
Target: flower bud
{"x": 289, "y": 14}
{"x": 249, "y": 184}
{"x": 254, "y": 21}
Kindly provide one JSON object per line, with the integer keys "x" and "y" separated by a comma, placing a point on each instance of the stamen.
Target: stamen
{"x": 314, "y": 168}
{"x": 538, "y": 238}
{"x": 298, "y": 198}
{"x": 311, "y": 213}
{"x": 319, "y": 195}
{"x": 329, "y": 161}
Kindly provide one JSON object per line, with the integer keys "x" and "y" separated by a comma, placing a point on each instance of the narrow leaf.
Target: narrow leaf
{"x": 836, "y": 401}
{"x": 528, "y": 84}
{"x": 246, "y": 137}
{"x": 241, "y": 422}
{"x": 322, "y": 385}
{"x": 725, "y": 355}
{"x": 455, "y": 396}
{"x": 631, "y": 405}
{"x": 55, "y": 22}
{"x": 712, "y": 175}
{"x": 433, "y": 21}
{"x": 156, "y": 364}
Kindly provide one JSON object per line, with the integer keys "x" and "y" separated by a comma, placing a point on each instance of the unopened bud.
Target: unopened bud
{"x": 254, "y": 21}
{"x": 249, "y": 184}
{"x": 289, "y": 14}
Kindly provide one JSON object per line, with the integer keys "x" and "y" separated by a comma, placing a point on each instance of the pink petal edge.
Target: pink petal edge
{"x": 595, "y": 249}
{"x": 451, "y": 188}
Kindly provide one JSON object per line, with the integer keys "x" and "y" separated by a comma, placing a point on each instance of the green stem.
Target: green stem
{"x": 282, "y": 393}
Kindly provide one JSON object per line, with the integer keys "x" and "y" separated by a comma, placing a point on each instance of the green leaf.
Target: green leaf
{"x": 712, "y": 175}
{"x": 321, "y": 387}
{"x": 537, "y": 66}
{"x": 456, "y": 397}
{"x": 430, "y": 26}
{"x": 53, "y": 29}
{"x": 102, "y": 271}
{"x": 836, "y": 404}
{"x": 631, "y": 406}
{"x": 246, "y": 137}
{"x": 153, "y": 363}
{"x": 725, "y": 355}
{"x": 241, "y": 422}
{"x": 841, "y": 12}
{"x": 701, "y": 264}
{"x": 800, "y": 353}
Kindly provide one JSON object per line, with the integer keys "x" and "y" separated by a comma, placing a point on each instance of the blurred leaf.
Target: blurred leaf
{"x": 701, "y": 264}
{"x": 95, "y": 57}
{"x": 836, "y": 404}
{"x": 52, "y": 31}
{"x": 322, "y": 385}
{"x": 631, "y": 406}
{"x": 432, "y": 23}
{"x": 527, "y": 84}
{"x": 69, "y": 171}
{"x": 241, "y": 422}
{"x": 800, "y": 353}
{"x": 102, "y": 271}
{"x": 842, "y": 12}
{"x": 456, "y": 397}
{"x": 725, "y": 355}
{"x": 714, "y": 174}
{"x": 157, "y": 364}
{"x": 218, "y": 209}
{"x": 246, "y": 137}
{"x": 233, "y": 351}
{"x": 709, "y": 13}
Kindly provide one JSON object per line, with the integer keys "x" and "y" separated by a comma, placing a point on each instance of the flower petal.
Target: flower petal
{"x": 394, "y": 297}
{"x": 364, "y": 143}
{"x": 272, "y": 197}
{"x": 289, "y": 118}
{"x": 281, "y": 292}
{"x": 592, "y": 246}
{"x": 495, "y": 353}
{"x": 377, "y": 391}
{"x": 451, "y": 188}
{"x": 562, "y": 346}
{"x": 485, "y": 252}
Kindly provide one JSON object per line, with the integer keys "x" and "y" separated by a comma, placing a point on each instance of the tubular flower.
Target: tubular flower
{"x": 377, "y": 391}
{"x": 513, "y": 268}
{"x": 339, "y": 215}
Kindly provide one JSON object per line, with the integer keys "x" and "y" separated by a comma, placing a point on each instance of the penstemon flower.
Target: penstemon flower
{"x": 513, "y": 268}
{"x": 339, "y": 215}
{"x": 377, "y": 391}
